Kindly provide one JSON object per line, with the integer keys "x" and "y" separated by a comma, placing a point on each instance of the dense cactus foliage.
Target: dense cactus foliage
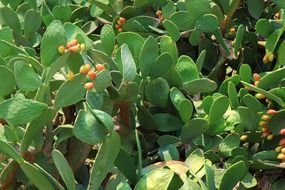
{"x": 141, "y": 94}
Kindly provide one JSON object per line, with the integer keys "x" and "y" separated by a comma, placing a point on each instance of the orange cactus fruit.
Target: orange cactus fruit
{"x": 75, "y": 48}
{"x": 271, "y": 112}
{"x": 72, "y": 43}
{"x": 256, "y": 76}
{"x": 282, "y": 142}
{"x": 158, "y": 13}
{"x": 232, "y": 30}
{"x": 122, "y": 20}
{"x": 117, "y": 26}
{"x": 161, "y": 18}
{"x": 100, "y": 67}
{"x": 92, "y": 74}
{"x": 264, "y": 129}
{"x": 282, "y": 132}
{"x": 263, "y": 124}
{"x": 89, "y": 85}
{"x": 84, "y": 69}
{"x": 266, "y": 117}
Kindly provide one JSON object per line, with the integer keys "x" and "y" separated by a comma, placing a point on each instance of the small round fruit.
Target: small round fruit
{"x": 89, "y": 85}
{"x": 260, "y": 96}
{"x": 161, "y": 18}
{"x": 232, "y": 30}
{"x": 281, "y": 156}
{"x": 282, "y": 132}
{"x": 270, "y": 56}
{"x": 271, "y": 112}
{"x": 100, "y": 67}
{"x": 61, "y": 49}
{"x": 70, "y": 75}
{"x": 84, "y": 69}
{"x": 158, "y": 13}
{"x": 278, "y": 149}
{"x": 120, "y": 30}
{"x": 266, "y": 59}
{"x": 119, "y": 23}
{"x": 263, "y": 124}
{"x": 117, "y": 26}
{"x": 266, "y": 134}
{"x": 92, "y": 74}
{"x": 283, "y": 150}
{"x": 282, "y": 142}
{"x": 88, "y": 66}
{"x": 75, "y": 49}
{"x": 122, "y": 20}
{"x": 266, "y": 117}
{"x": 264, "y": 129}
{"x": 256, "y": 76}
{"x": 243, "y": 137}
{"x": 72, "y": 43}
{"x": 82, "y": 47}
{"x": 270, "y": 137}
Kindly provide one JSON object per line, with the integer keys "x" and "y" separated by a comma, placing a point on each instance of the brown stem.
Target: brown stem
{"x": 231, "y": 12}
{"x": 69, "y": 114}
{"x": 77, "y": 152}
{"x": 7, "y": 176}
{"x": 123, "y": 118}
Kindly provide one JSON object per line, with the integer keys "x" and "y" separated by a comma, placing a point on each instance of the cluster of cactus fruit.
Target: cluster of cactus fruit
{"x": 119, "y": 25}
{"x": 266, "y": 133}
{"x": 72, "y": 46}
{"x": 264, "y": 127}
{"x": 266, "y": 117}
{"x": 257, "y": 78}
{"x": 85, "y": 69}
{"x": 281, "y": 148}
